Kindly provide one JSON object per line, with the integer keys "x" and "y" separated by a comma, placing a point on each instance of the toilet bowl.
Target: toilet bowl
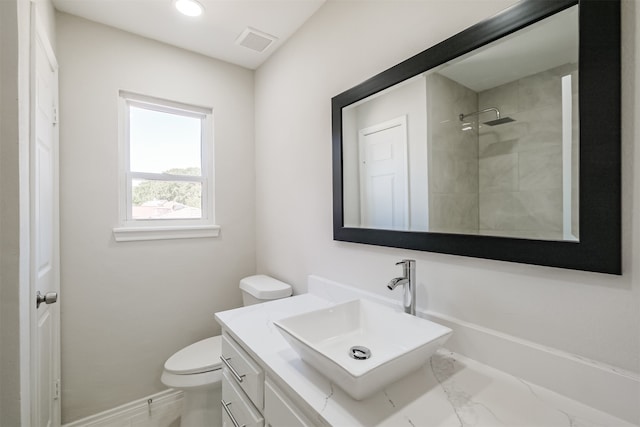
{"x": 197, "y": 368}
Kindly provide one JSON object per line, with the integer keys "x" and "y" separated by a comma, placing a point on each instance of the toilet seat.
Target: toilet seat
{"x": 197, "y": 370}
{"x": 200, "y": 357}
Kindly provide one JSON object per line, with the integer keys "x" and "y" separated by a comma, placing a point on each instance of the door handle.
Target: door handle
{"x": 48, "y": 298}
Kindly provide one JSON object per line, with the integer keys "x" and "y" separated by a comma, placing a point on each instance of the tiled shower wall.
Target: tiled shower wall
{"x": 503, "y": 180}
{"x": 453, "y": 157}
{"x": 520, "y": 163}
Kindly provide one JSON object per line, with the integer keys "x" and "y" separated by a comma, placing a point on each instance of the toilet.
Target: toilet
{"x": 197, "y": 368}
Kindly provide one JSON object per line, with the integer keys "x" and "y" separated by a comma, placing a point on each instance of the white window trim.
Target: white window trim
{"x": 134, "y": 230}
{"x": 131, "y": 234}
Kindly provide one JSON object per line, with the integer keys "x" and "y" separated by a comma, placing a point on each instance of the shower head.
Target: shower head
{"x": 497, "y": 122}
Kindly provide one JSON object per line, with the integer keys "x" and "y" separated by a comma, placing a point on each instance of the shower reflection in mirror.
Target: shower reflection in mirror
{"x": 486, "y": 144}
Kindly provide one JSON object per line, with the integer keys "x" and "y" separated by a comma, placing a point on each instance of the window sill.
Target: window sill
{"x": 132, "y": 234}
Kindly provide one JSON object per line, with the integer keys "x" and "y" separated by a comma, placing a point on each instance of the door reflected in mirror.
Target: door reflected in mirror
{"x": 486, "y": 144}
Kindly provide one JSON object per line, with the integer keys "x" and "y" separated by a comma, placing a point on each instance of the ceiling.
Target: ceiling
{"x": 542, "y": 46}
{"x": 213, "y": 34}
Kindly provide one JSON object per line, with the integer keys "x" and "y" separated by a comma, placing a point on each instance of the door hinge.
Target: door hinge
{"x": 55, "y": 116}
{"x": 56, "y": 390}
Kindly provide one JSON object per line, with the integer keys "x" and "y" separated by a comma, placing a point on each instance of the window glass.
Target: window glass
{"x": 155, "y": 199}
{"x": 163, "y": 142}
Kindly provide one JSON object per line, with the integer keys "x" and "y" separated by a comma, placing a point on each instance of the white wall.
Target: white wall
{"x": 592, "y": 315}
{"x": 407, "y": 100}
{"x": 127, "y": 307}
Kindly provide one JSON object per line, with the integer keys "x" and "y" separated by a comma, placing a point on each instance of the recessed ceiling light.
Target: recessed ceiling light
{"x": 189, "y": 7}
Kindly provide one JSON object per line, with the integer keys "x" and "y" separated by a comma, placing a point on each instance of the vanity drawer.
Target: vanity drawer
{"x": 279, "y": 410}
{"x": 236, "y": 409}
{"x": 241, "y": 368}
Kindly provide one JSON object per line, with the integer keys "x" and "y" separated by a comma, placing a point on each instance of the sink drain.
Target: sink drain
{"x": 359, "y": 352}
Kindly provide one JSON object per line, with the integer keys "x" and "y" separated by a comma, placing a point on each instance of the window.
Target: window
{"x": 166, "y": 170}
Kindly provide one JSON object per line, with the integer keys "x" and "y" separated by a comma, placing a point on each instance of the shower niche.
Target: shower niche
{"x": 501, "y": 142}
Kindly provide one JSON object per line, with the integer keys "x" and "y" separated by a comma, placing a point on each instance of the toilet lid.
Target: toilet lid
{"x": 202, "y": 356}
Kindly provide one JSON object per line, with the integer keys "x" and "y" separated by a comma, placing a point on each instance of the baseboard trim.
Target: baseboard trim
{"x": 164, "y": 406}
{"x": 595, "y": 384}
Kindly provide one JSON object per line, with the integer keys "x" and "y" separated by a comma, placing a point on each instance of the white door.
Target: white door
{"x": 384, "y": 183}
{"x": 44, "y": 229}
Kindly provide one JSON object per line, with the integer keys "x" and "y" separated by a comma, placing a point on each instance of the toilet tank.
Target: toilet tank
{"x": 262, "y": 288}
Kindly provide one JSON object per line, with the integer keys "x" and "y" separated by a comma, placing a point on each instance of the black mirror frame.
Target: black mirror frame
{"x": 599, "y": 248}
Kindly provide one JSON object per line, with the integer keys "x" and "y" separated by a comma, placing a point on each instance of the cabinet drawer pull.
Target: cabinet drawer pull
{"x": 233, "y": 371}
{"x": 225, "y": 406}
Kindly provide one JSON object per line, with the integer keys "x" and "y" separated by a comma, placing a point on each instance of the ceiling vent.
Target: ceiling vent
{"x": 255, "y": 40}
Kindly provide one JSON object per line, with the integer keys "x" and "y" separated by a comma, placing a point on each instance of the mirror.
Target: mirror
{"x": 484, "y": 144}
{"x": 488, "y": 143}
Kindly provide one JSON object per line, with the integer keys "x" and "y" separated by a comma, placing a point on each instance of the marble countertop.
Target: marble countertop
{"x": 449, "y": 390}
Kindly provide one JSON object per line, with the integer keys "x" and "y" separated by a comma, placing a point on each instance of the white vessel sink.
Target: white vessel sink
{"x": 398, "y": 343}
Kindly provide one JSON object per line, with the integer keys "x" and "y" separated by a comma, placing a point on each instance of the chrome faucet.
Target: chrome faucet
{"x": 408, "y": 279}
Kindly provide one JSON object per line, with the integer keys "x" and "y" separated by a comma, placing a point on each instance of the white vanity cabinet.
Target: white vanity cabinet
{"x": 279, "y": 410}
{"x": 242, "y": 387}
{"x": 237, "y": 410}
{"x": 247, "y": 399}
{"x": 240, "y": 366}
